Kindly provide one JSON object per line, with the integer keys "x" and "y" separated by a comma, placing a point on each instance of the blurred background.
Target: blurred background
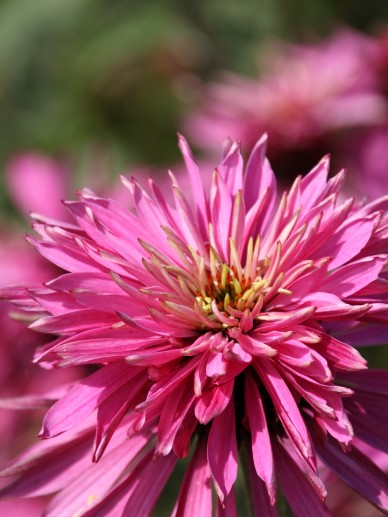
{"x": 93, "y": 88}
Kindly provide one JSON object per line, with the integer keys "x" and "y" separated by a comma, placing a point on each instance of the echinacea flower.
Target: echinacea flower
{"x": 222, "y": 327}
{"x": 304, "y": 93}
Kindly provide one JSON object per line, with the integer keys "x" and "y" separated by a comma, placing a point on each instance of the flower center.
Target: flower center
{"x": 229, "y": 293}
{"x": 211, "y": 294}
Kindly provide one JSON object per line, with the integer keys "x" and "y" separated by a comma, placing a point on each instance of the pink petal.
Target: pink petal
{"x": 303, "y": 500}
{"x": 76, "y": 321}
{"x": 349, "y": 279}
{"x": 261, "y": 443}
{"x": 84, "y": 397}
{"x": 285, "y": 406}
{"x": 213, "y": 401}
{"x": 104, "y": 344}
{"x": 258, "y": 175}
{"x": 313, "y": 184}
{"x": 171, "y": 419}
{"x": 340, "y": 355}
{"x": 228, "y": 507}
{"x": 222, "y": 451}
{"x": 231, "y": 168}
{"x": 358, "y": 471}
{"x": 196, "y": 183}
{"x": 221, "y": 212}
{"x": 341, "y": 245}
{"x": 101, "y": 282}
{"x": 195, "y": 496}
{"x": 258, "y": 492}
{"x": 50, "y": 471}
{"x": 111, "y": 411}
{"x": 139, "y": 491}
{"x": 70, "y": 258}
{"x": 92, "y": 484}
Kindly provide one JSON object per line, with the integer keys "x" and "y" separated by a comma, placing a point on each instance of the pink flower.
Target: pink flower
{"x": 304, "y": 94}
{"x": 368, "y": 161}
{"x": 225, "y": 326}
{"x": 37, "y": 183}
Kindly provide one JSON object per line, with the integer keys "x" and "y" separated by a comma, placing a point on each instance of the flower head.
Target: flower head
{"x": 221, "y": 324}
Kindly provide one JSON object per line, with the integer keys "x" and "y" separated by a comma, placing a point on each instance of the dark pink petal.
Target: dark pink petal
{"x": 107, "y": 302}
{"x": 50, "y": 471}
{"x": 75, "y": 321}
{"x": 112, "y": 410}
{"x": 84, "y": 219}
{"x": 160, "y": 324}
{"x": 84, "y": 397}
{"x": 340, "y": 355}
{"x": 303, "y": 500}
{"x": 54, "y": 302}
{"x": 258, "y": 492}
{"x": 183, "y": 437}
{"x": 261, "y": 444}
{"x": 371, "y": 380}
{"x": 216, "y": 365}
{"x": 368, "y": 415}
{"x": 139, "y": 491}
{"x": 91, "y": 485}
{"x": 19, "y": 297}
{"x": 213, "y": 401}
{"x": 364, "y": 334}
{"x": 283, "y": 321}
{"x": 222, "y": 451}
{"x": 104, "y": 344}
{"x": 169, "y": 383}
{"x": 358, "y": 471}
{"x": 171, "y": 419}
{"x": 255, "y": 347}
{"x": 286, "y": 407}
{"x": 187, "y": 221}
{"x": 195, "y": 496}
{"x": 227, "y": 508}
{"x": 154, "y": 356}
{"x": 238, "y": 221}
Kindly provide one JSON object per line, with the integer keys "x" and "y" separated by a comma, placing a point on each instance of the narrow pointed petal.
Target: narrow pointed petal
{"x": 222, "y": 451}
{"x": 303, "y": 501}
{"x": 195, "y": 496}
{"x": 261, "y": 443}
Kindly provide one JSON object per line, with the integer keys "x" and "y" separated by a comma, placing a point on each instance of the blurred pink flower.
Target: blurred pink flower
{"x": 35, "y": 183}
{"x": 220, "y": 324}
{"x": 20, "y": 264}
{"x": 38, "y": 183}
{"x": 304, "y": 93}
{"x": 367, "y": 158}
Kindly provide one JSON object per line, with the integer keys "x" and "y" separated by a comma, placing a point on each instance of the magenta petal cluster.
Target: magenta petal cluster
{"x": 221, "y": 326}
